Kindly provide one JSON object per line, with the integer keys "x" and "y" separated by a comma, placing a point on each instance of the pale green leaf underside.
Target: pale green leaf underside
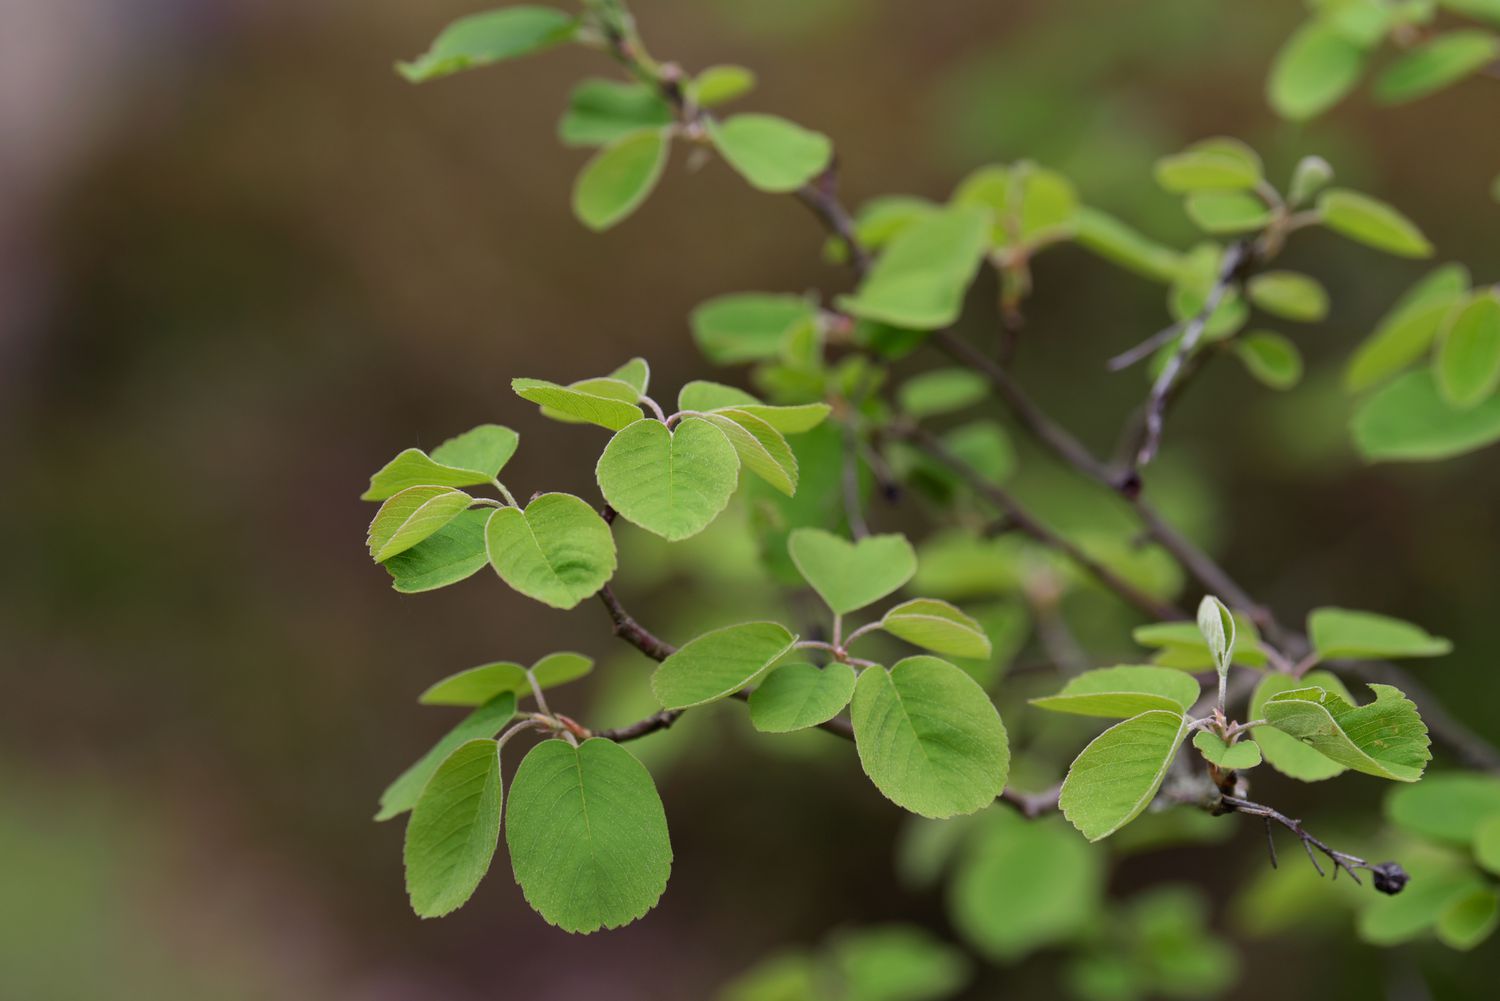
{"x": 1372, "y": 222}
{"x": 587, "y": 835}
{"x": 491, "y": 37}
{"x": 483, "y": 723}
{"x": 761, "y": 448}
{"x": 795, "y": 696}
{"x": 719, "y": 663}
{"x": 1385, "y": 738}
{"x": 673, "y": 483}
{"x": 605, "y": 411}
{"x": 1406, "y": 332}
{"x": 410, "y": 516}
{"x": 477, "y": 685}
{"x": 485, "y": 449}
{"x": 1116, "y": 776}
{"x": 849, "y": 575}
{"x": 454, "y": 829}
{"x": 558, "y": 551}
{"x": 1124, "y": 691}
{"x": 937, "y": 626}
{"x": 747, "y": 326}
{"x": 929, "y": 737}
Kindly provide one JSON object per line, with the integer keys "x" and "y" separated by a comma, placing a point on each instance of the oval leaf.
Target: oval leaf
{"x": 451, "y": 554}
{"x": 1408, "y": 329}
{"x": 1285, "y": 753}
{"x": 1437, "y": 63}
{"x": 1125, "y": 691}
{"x": 453, "y": 830}
{"x": 1451, "y": 807}
{"x": 483, "y": 723}
{"x": 593, "y": 408}
{"x": 1339, "y": 633}
{"x": 673, "y": 483}
{"x": 1372, "y": 222}
{"x": 1313, "y": 71}
{"x": 1234, "y": 757}
{"x": 1468, "y": 360}
{"x": 1118, "y": 773}
{"x": 1271, "y": 358}
{"x": 719, "y": 663}
{"x": 1385, "y": 738}
{"x": 920, "y": 280}
{"x": 480, "y": 684}
{"x": 1409, "y": 420}
{"x": 797, "y": 696}
{"x": 771, "y": 153}
{"x": 557, "y": 551}
{"x": 937, "y": 626}
{"x": 482, "y": 39}
{"x": 411, "y": 516}
{"x": 1289, "y": 295}
{"x": 619, "y": 179}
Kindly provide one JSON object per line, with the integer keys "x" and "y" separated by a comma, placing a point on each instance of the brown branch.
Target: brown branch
{"x": 1388, "y": 877}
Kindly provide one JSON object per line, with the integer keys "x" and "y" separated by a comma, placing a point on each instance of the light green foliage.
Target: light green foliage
{"x": 1312, "y": 174}
{"x": 1114, "y": 241}
{"x": 1487, "y": 843}
{"x": 1484, "y": 10}
{"x": 1030, "y": 206}
{"x": 1371, "y": 222}
{"x": 578, "y": 403}
{"x": 1228, "y": 211}
{"x": 453, "y": 830}
{"x": 1218, "y": 629}
{"x": 1121, "y": 692}
{"x": 760, "y": 447}
{"x": 929, "y": 738}
{"x": 1439, "y": 62}
{"x": 1468, "y": 358}
{"x": 635, "y": 373}
{"x": 1181, "y": 644}
{"x": 1469, "y": 919}
{"x": 467, "y": 460}
{"x": 1409, "y": 420}
{"x": 619, "y": 179}
{"x": 1160, "y": 945}
{"x": 491, "y": 37}
{"x": 702, "y": 395}
{"x": 1271, "y": 358}
{"x": 451, "y": 554}
{"x": 1450, "y": 806}
{"x": 1117, "y": 775}
{"x": 587, "y": 835}
{"x": 920, "y": 280}
{"x": 1023, "y": 885}
{"x": 1408, "y": 330}
{"x": 481, "y": 724}
{"x": 937, "y": 626}
{"x": 850, "y": 575}
{"x": 670, "y": 482}
{"x": 721, "y": 84}
{"x": 719, "y": 663}
{"x": 557, "y": 551}
{"x": 796, "y": 696}
{"x": 771, "y": 153}
{"x": 480, "y": 684}
{"x": 1282, "y": 751}
{"x": 1313, "y": 71}
{"x": 601, "y": 112}
{"x": 1385, "y": 738}
{"x": 782, "y": 976}
{"x": 1340, "y": 634}
{"x": 941, "y": 391}
{"x": 411, "y": 516}
{"x": 1436, "y": 887}
{"x": 1213, "y": 164}
{"x": 1239, "y": 755}
{"x": 896, "y": 963}
{"x": 1289, "y": 295}
{"x": 748, "y": 326}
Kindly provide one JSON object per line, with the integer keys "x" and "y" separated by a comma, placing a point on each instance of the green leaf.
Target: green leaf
{"x": 1470, "y": 919}
{"x": 1030, "y": 206}
{"x": 1217, "y": 627}
{"x": 1289, "y": 295}
{"x": 1468, "y": 359}
{"x": 619, "y": 179}
{"x": 1228, "y": 211}
{"x": 472, "y": 458}
{"x": 480, "y": 684}
{"x": 1024, "y": 885}
{"x": 937, "y": 626}
{"x": 1285, "y": 753}
{"x": 1341, "y": 634}
{"x": 771, "y": 153}
{"x": 985, "y": 446}
{"x": 929, "y": 737}
{"x": 721, "y": 84}
{"x": 453, "y": 830}
{"x": 881, "y": 219}
{"x": 1484, "y": 10}
{"x": 481, "y": 724}
{"x": 1125, "y": 691}
{"x": 1409, "y": 420}
{"x": 702, "y": 396}
{"x": 1117, "y": 775}
{"x": 920, "y": 280}
{"x": 451, "y": 554}
{"x": 1214, "y": 164}
{"x": 1189, "y": 651}
{"x": 557, "y": 551}
{"x": 1371, "y": 222}
{"x": 895, "y": 963}
{"x": 1434, "y": 888}
{"x": 748, "y": 326}
{"x": 1313, "y": 71}
{"x": 636, "y": 373}
{"x": 1116, "y": 242}
{"x": 761, "y": 448}
{"x": 796, "y": 696}
{"x": 491, "y": 37}
{"x": 789, "y": 420}
{"x": 1408, "y": 330}
{"x": 673, "y": 483}
{"x": 587, "y": 835}
{"x": 1240, "y": 755}
{"x": 719, "y": 663}
{"x": 601, "y": 112}
{"x": 411, "y": 516}
{"x": 1270, "y": 358}
{"x": 942, "y": 391}
{"x": 605, "y": 411}
{"x": 1451, "y": 806}
{"x": 1439, "y": 62}
{"x": 1385, "y": 738}
{"x": 850, "y": 575}
{"x": 1486, "y": 842}
{"x": 1312, "y": 174}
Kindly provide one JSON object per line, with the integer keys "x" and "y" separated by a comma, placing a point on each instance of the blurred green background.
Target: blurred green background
{"x": 242, "y": 263}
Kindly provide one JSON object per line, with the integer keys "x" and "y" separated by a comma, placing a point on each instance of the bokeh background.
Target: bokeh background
{"x": 242, "y": 263}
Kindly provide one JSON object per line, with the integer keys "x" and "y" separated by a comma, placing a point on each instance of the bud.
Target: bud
{"x": 1389, "y": 877}
{"x": 1311, "y": 176}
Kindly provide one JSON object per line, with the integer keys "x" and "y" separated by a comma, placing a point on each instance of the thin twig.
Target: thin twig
{"x": 1388, "y": 877}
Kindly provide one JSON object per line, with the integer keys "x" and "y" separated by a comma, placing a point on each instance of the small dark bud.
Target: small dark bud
{"x": 1389, "y": 877}
{"x": 1130, "y": 485}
